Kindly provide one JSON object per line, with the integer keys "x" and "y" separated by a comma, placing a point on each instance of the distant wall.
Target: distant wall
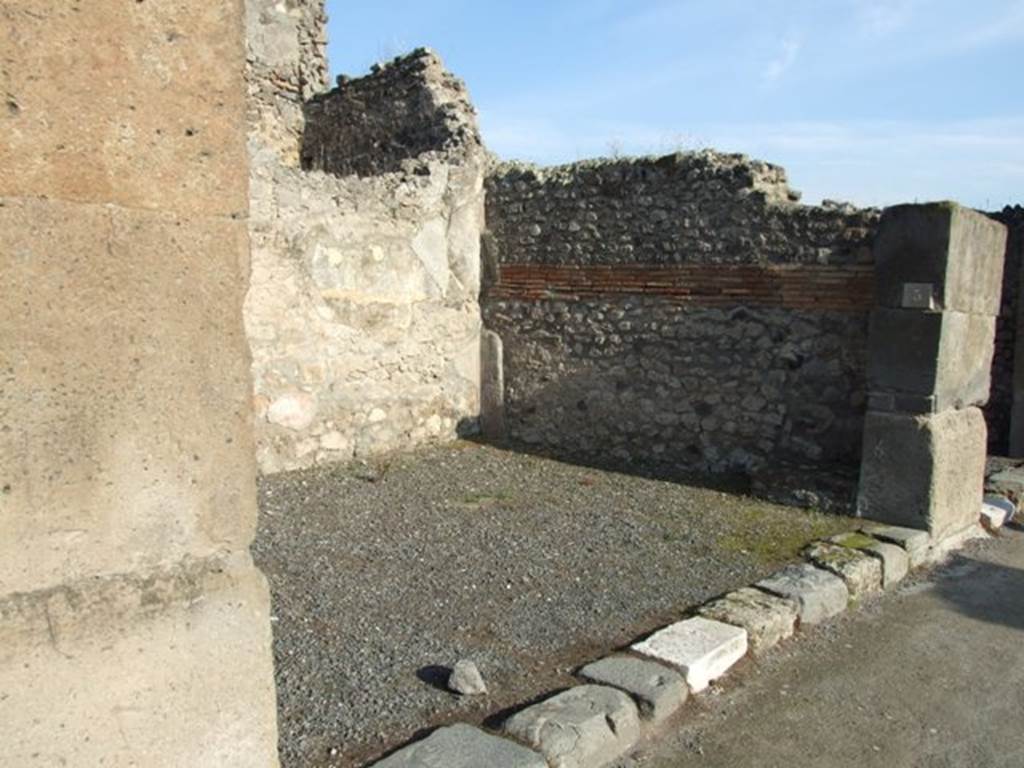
{"x": 363, "y": 313}
{"x": 1000, "y": 405}
{"x": 682, "y": 310}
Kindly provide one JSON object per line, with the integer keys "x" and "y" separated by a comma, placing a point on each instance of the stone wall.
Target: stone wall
{"x": 363, "y": 313}
{"x": 1000, "y": 404}
{"x": 682, "y": 310}
{"x": 134, "y": 628}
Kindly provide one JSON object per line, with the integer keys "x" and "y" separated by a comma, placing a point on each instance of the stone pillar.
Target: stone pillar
{"x": 134, "y": 628}
{"x": 492, "y": 386}
{"x": 939, "y": 270}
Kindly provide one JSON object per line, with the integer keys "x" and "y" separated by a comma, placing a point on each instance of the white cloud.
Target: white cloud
{"x": 881, "y": 18}
{"x": 784, "y": 61}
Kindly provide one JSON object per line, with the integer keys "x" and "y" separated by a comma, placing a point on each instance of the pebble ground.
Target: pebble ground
{"x": 385, "y": 574}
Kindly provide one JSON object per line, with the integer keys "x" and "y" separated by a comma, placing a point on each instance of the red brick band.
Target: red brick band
{"x": 793, "y": 286}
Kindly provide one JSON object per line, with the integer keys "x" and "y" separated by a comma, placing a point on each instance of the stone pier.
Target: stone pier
{"x": 939, "y": 270}
{"x": 134, "y": 628}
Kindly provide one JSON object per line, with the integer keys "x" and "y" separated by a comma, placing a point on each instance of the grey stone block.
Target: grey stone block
{"x": 819, "y": 594}
{"x": 462, "y": 746}
{"x": 930, "y": 361}
{"x": 658, "y": 690}
{"x": 894, "y": 560}
{"x": 913, "y": 541}
{"x": 767, "y": 618}
{"x": 585, "y": 727}
{"x": 958, "y": 252}
{"x": 862, "y": 573}
{"x": 923, "y": 472}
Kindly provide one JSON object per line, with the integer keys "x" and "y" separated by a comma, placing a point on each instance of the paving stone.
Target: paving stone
{"x": 819, "y": 594}
{"x": 914, "y": 541}
{"x": 585, "y": 727}
{"x": 767, "y": 618}
{"x": 861, "y": 572}
{"x": 462, "y": 746}
{"x": 704, "y": 649}
{"x": 658, "y": 691}
{"x": 895, "y": 561}
{"x": 996, "y": 511}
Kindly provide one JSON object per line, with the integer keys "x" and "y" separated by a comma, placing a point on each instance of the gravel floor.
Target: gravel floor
{"x": 383, "y": 575}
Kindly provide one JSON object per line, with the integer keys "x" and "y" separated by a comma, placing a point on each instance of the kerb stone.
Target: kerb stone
{"x": 462, "y": 746}
{"x": 913, "y": 541}
{"x": 894, "y": 559}
{"x": 820, "y": 594}
{"x": 585, "y": 727}
{"x": 703, "y": 648}
{"x": 658, "y": 691}
{"x": 768, "y": 619}
{"x": 996, "y": 511}
{"x": 862, "y": 573}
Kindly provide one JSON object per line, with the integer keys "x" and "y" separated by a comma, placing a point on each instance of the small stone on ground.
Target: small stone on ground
{"x": 861, "y": 572}
{"x": 466, "y": 679}
{"x": 820, "y": 594}
{"x": 462, "y": 746}
{"x": 658, "y": 691}
{"x": 768, "y": 619}
{"x": 704, "y": 649}
{"x": 585, "y": 727}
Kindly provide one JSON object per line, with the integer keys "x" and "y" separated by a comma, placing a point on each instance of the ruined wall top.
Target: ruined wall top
{"x": 286, "y": 66}
{"x": 402, "y": 110}
{"x": 704, "y": 207}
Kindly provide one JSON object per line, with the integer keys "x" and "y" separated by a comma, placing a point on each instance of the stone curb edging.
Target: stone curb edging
{"x": 627, "y": 694}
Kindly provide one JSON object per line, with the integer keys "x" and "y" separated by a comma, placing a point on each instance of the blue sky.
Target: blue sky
{"x": 872, "y": 101}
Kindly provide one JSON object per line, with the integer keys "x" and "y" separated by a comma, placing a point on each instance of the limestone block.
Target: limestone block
{"x": 893, "y": 559}
{"x": 958, "y": 253}
{"x": 768, "y": 619}
{"x": 861, "y": 573}
{"x": 163, "y": 669}
{"x": 996, "y": 511}
{"x": 127, "y": 439}
{"x": 139, "y": 104}
{"x": 820, "y": 594}
{"x": 703, "y": 648}
{"x": 585, "y": 727}
{"x": 923, "y": 472}
{"x": 913, "y": 541}
{"x": 658, "y": 691}
{"x": 462, "y": 746}
{"x": 930, "y": 361}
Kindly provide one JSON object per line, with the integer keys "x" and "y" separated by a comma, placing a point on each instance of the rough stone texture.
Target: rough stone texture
{"x": 1000, "y": 405}
{"x": 364, "y": 297}
{"x": 462, "y": 746}
{"x": 624, "y": 371}
{"x": 820, "y": 594}
{"x": 372, "y": 125}
{"x": 913, "y": 541}
{"x": 703, "y": 648}
{"x": 466, "y": 679}
{"x": 768, "y": 619}
{"x": 640, "y": 381}
{"x": 955, "y": 251}
{"x": 134, "y": 629}
{"x": 659, "y": 692}
{"x": 924, "y": 471}
{"x": 862, "y": 573}
{"x": 929, "y": 361}
{"x": 586, "y": 727}
{"x": 893, "y": 559}
{"x": 689, "y": 207}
